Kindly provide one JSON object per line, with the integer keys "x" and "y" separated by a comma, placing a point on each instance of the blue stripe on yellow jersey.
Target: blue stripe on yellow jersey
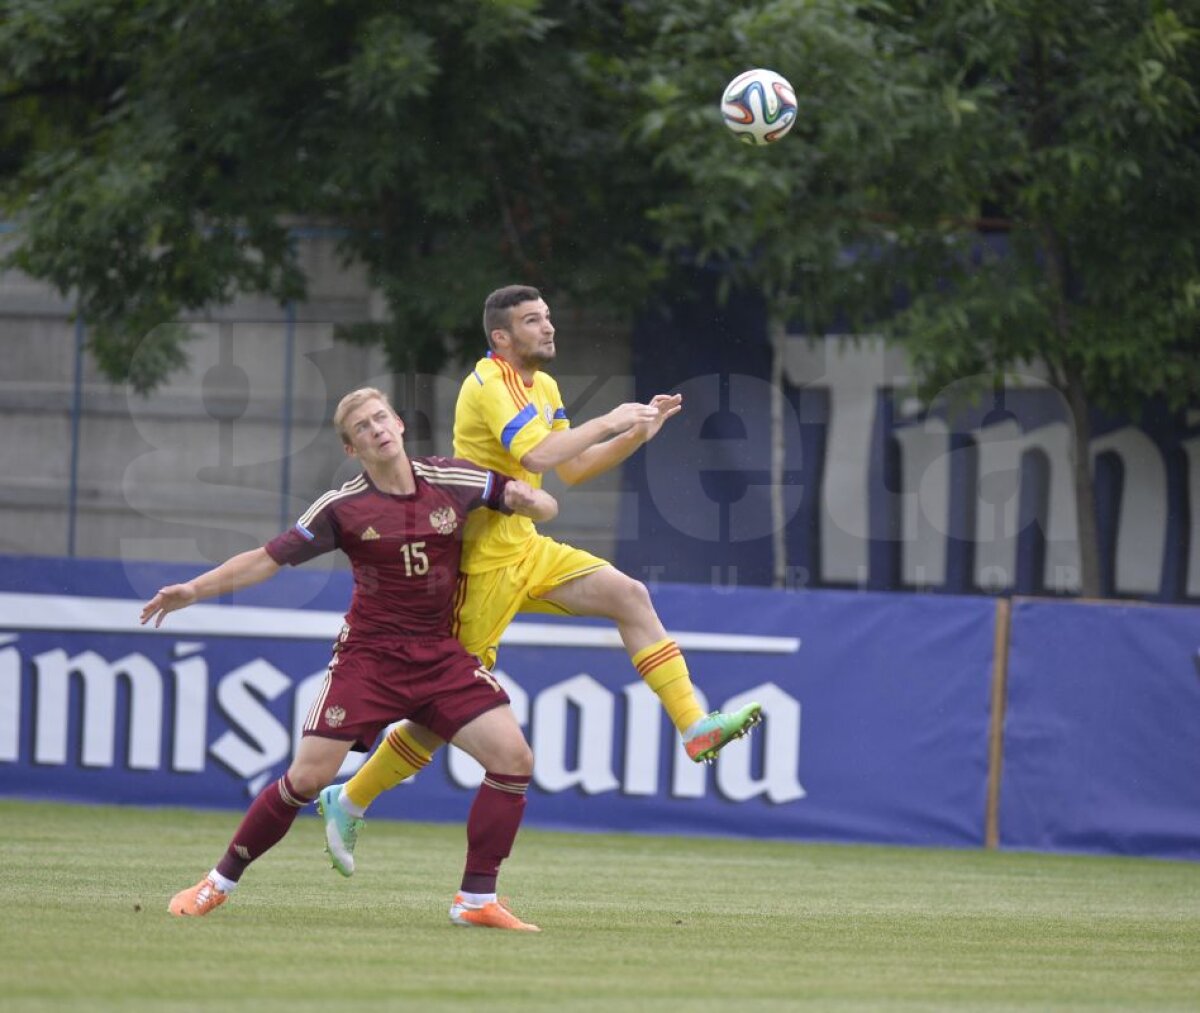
{"x": 516, "y": 424}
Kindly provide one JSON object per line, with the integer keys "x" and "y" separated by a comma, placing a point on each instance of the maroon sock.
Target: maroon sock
{"x": 268, "y": 819}
{"x": 492, "y": 827}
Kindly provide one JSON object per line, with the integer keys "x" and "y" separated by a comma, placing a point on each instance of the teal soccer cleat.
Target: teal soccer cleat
{"x": 710, "y": 735}
{"x": 341, "y": 829}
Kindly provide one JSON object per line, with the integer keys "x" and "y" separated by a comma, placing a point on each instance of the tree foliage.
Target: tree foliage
{"x": 156, "y": 154}
{"x": 1071, "y": 129}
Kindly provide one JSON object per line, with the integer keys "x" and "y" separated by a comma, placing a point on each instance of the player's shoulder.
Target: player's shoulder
{"x": 356, "y": 486}
{"x": 488, "y": 369}
{"x": 449, "y": 471}
{"x": 351, "y": 487}
{"x": 496, "y": 370}
{"x": 545, "y": 381}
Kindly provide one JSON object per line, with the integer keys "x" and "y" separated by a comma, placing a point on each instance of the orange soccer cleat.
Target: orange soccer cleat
{"x": 197, "y": 900}
{"x": 492, "y": 915}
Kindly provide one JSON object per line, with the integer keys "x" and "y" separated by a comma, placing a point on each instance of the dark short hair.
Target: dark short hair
{"x": 497, "y": 307}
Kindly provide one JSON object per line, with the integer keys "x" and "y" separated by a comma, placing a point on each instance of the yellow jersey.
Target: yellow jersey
{"x": 498, "y": 419}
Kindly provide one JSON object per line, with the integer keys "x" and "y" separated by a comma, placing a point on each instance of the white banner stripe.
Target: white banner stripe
{"x": 120, "y": 615}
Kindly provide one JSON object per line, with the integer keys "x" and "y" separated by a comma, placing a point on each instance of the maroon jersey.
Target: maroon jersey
{"x": 404, "y": 550}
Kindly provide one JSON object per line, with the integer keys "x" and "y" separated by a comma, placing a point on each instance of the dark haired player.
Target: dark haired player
{"x": 510, "y": 418}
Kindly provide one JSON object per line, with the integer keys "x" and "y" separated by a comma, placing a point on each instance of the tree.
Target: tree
{"x": 785, "y": 221}
{"x": 1083, "y": 131}
{"x": 155, "y": 154}
{"x": 1072, "y": 126}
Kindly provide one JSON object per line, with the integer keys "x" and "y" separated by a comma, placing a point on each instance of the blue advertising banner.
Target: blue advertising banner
{"x": 876, "y": 706}
{"x": 1102, "y": 730}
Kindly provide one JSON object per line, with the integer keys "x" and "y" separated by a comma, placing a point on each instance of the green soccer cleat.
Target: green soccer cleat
{"x": 710, "y": 735}
{"x": 341, "y": 829}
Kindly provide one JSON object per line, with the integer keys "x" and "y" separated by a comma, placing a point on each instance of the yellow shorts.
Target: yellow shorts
{"x": 487, "y": 602}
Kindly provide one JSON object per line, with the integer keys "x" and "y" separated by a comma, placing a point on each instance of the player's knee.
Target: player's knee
{"x": 637, "y": 598}
{"x": 307, "y": 782}
{"x": 524, "y": 760}
{"x": 516, "y": 758}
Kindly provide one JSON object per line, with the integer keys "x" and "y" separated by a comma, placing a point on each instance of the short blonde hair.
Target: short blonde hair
{"x": 355, "y": 399}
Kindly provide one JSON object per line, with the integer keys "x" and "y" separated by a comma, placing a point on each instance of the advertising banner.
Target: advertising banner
{"x": 876, "y": 706}
{"x": 1102, "y": 730}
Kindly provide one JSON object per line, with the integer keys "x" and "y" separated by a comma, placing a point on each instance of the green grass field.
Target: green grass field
{"x": 651, "y": 923}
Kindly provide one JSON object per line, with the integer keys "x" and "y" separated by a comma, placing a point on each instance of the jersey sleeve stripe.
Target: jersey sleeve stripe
{"x": 516, "y": 424}
{"x": 451, "y": 476}
{"x": 355, "y": 485}
{"x": 560, "y": 413}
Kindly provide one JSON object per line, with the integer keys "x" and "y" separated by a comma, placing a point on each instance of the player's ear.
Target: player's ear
{"x": 400, "y": 423}
{"x": 350, "y": 451}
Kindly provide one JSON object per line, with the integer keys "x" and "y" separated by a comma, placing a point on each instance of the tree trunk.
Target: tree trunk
{"x": 778, "y": 336}
{"x": 1085, "y": 495}
{"x": 1069, "y": 378}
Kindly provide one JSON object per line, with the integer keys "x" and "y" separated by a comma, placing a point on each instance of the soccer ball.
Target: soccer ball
{"x": 759, "y": 106}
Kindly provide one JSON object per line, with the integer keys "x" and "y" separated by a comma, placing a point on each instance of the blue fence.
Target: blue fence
{"x": 877, "y": 711}
{"x": 1102, "y": 732}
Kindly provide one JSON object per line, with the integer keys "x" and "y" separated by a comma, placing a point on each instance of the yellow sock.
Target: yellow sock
{"x": 397, "y": 757}
{"x": 662, "y": 667}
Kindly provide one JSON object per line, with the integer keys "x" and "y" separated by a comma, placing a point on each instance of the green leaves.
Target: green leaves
{"x": 149, "y": 154}
{"x": 395, "y": 64}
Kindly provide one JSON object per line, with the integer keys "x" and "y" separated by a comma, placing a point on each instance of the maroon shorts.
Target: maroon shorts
{"x": 373, "y": 681}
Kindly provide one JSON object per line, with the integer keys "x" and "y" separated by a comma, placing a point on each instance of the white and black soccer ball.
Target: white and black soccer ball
{"x": 759, "y": 106}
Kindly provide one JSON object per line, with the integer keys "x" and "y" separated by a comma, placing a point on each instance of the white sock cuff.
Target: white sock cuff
{"x": 356, "y": 811}
{"x": 476, "y": 899}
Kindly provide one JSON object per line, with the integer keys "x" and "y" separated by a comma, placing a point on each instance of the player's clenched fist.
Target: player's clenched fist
{"x": 521, "y": 497}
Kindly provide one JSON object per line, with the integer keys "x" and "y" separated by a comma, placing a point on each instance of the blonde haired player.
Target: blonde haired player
{"x": 400, "y": 522}
{"x": 510, "y": 419}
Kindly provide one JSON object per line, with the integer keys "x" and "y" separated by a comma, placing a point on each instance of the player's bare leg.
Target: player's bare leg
{"x": 613, "y": 595}
{"x": 268, "y": 819}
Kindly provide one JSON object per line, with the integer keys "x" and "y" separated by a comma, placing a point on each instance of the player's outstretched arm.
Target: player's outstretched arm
{"x": 566, "y": 444}
{"x": 605, "y": 456}
{"x": 243, "y": 570}
{"x": 536, "y": 504}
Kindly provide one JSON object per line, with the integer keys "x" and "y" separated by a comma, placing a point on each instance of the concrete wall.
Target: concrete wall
{"x": 220, "y": 458}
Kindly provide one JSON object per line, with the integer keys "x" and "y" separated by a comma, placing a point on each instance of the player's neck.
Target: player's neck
{"x": 525, "y": 370}
{"x": 394, "y": 477}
